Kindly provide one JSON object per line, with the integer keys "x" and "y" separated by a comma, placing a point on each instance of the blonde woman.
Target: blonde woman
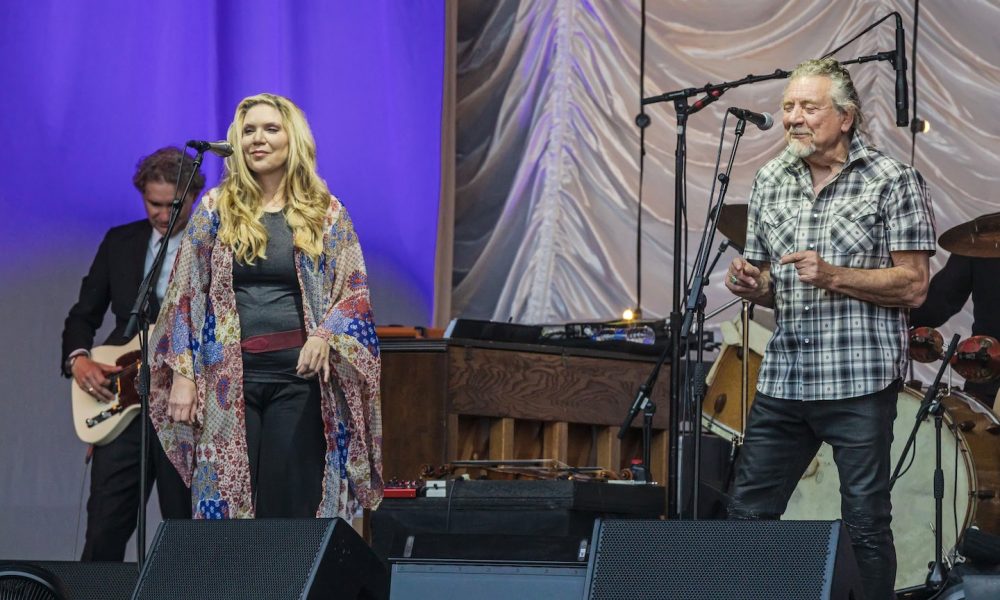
{"x": 266, "y": 366}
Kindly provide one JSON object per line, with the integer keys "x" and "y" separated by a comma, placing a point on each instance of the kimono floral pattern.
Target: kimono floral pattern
{"x": 198, "y": 335}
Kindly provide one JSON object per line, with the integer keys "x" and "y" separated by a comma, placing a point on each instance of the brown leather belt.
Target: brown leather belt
{"x": 269, "y": 342}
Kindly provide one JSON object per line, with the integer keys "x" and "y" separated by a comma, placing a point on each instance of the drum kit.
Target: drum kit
{"x": 970, "y": 444}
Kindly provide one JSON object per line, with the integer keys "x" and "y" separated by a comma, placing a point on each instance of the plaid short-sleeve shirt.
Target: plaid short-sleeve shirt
{"x": 828, "y": 345}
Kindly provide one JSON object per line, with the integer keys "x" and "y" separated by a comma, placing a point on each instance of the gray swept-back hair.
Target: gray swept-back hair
{"x": 842, "y": 91}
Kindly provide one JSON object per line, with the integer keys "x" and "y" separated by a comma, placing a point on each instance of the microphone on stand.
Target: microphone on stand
{"x": 763, "y": 121}
{"x": 899, "y": 63}
{"x": 222, "y": 148}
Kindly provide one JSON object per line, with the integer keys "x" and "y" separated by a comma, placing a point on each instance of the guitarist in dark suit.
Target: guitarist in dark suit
{"x": 123, "y": 258}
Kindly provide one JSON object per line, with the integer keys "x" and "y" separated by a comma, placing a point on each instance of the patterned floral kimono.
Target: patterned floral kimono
{"x": 198, "y": 335}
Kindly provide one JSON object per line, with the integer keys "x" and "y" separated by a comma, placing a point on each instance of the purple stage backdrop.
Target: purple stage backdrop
{"x": 90, "y": 86}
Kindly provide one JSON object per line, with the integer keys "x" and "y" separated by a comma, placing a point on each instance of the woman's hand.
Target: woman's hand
{"x": 314, "y": 359}
{"x": 180, "y": 406}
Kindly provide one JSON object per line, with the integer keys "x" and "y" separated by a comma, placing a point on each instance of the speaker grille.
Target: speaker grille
{"x": 271, "y": 558}
{"x": 712, "y": 559}
{"x": 20, "y": 581}
{"x": 91, "y": 580}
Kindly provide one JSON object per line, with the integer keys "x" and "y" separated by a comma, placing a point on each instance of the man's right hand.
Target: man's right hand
{"x": 742, "y": 278}
{"x": 93, "y": 377}
{"x": 751, "y": 282}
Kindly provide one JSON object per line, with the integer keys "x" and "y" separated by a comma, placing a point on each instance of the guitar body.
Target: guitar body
{"x": 100, "y": 422}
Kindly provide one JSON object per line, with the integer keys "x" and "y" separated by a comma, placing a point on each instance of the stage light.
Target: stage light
{"x": 920, "y": 125}
{"x": 631, "y": 314}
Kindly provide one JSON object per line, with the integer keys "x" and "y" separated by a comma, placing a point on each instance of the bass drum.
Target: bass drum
{"x": 723, "y": 412}
{"x": 970, "y": 459}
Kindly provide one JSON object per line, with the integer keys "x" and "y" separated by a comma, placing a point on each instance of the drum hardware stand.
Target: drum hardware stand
{"x": 722, "y": 308}
{"x": 932, "y": 405}
{"x": 746, "y": 313}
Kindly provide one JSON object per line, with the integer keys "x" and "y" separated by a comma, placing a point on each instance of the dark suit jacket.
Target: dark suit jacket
{"x": 114, "y": 280}
{"x": 950, "y": 289}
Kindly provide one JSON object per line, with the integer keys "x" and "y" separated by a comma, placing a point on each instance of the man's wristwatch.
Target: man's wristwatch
{"x": 72, "y": 357}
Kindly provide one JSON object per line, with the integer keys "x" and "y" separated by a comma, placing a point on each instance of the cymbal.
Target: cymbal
{"x": 979, "y": 237}
{"x": 733, "y": 224}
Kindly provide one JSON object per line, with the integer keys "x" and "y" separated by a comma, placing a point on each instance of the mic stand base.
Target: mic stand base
{"x": 647, "y": 440}
{"x": 937, "y": 577}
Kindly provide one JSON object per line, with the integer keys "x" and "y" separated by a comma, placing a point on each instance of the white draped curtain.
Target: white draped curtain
{"x": 547, "y": 170}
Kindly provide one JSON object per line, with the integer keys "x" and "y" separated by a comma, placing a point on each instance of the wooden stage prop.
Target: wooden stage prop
{"x": 453, "y": 400}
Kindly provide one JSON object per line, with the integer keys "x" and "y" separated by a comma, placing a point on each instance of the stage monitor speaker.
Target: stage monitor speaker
{"x": 800, "y": 560}
{"x": 489, "y": 567}
{"x": 278, "y": 559}
{"x": 78, "y": 580}
{"x": 968, "y": 582}
{"x": 978, "y": 587}
{"x": 486, "y": 581}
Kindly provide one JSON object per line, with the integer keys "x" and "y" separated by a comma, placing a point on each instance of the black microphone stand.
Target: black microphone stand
{"x": 682, "y": 110}
{"x": 643, "y": 401}
{"x": 679, "y": 98}
{"x": 932, "y": 405}
{"x": 139, "y": 322}
{"x": 696, "y": 307}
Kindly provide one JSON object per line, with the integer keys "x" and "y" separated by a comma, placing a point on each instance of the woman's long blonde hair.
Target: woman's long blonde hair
{"x": 306, "y": 196}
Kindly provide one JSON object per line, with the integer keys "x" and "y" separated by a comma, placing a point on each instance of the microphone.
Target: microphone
{"x": 899, "y": 63}
{"x": 222, "y": 148}
{"x": 763, "y": 121}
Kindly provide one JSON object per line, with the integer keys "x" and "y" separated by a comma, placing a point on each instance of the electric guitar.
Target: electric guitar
{"x": 98, "y": 422}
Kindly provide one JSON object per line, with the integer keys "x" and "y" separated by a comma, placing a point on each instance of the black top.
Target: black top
{"x": 269, "y": 300}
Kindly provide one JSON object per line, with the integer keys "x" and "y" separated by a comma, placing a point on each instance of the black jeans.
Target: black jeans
{"x": 286, "y": 447}
{"x": 782, "y": 438}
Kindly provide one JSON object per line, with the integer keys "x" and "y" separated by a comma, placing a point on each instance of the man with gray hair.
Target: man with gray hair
{"x": 838, "y": 241}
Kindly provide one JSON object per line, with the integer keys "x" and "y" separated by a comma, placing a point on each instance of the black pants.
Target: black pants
{"x": 286, "y": 447}
{"x": 113, "y": 506}
{"x": 783, "y": 437}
